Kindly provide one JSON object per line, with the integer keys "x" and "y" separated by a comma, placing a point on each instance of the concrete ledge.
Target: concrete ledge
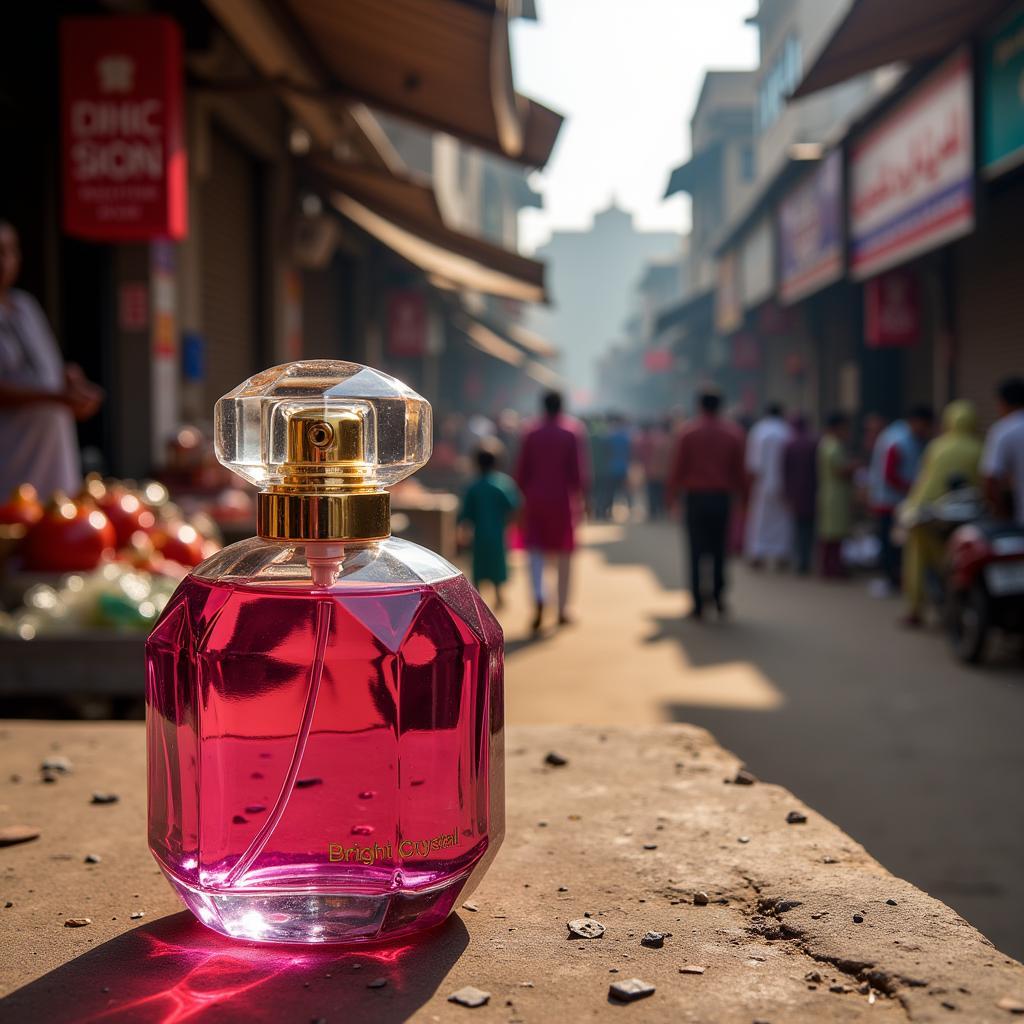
{"x": 634, "y": 825}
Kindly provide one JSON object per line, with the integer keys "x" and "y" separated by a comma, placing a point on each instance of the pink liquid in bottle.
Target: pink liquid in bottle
{"x": 326, "y": 763}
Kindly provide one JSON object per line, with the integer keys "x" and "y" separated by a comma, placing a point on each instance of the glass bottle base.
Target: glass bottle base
{"x": 307, "y": 917}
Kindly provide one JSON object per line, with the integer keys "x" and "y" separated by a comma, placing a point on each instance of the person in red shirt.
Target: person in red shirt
{"x": 707, "y": 468}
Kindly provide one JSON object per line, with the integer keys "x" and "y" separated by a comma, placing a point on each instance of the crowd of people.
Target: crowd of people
{"x": 775, "y": 491}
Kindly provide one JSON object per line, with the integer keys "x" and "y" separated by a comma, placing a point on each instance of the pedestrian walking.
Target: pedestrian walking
{"x": 553, "y": 476}
{"x": 488, "y": 506}
{"x": 657, "y": 461}
{"x": 893, "y": 467}
{"x": 40, "y": 396}
{"x": 952, "y": 459}
{"x": 835, "y": 494}
{"x": 620, "y": 450}
{"x": 769, "y": 535}
{"x": 1003, "y": 460}
{"x": 707, "y": 469}
{"x": 800, "y": 486}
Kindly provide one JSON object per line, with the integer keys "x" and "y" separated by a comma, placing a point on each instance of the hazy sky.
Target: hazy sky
{"x": 626, "y": 73}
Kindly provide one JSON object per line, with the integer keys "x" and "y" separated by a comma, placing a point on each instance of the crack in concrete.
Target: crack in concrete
{"x": 886, "y": 983}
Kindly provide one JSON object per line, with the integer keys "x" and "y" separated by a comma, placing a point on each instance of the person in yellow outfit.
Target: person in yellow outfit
{"x": 953, "y": 456}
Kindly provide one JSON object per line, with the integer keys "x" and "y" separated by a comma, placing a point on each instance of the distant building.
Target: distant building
{"x": 592, "y": 274}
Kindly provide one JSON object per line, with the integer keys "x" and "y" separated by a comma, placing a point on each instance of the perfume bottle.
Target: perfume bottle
{"x": 324, "y": 701}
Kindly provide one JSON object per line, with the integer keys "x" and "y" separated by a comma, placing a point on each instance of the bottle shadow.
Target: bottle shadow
{"x": 175, "y": 970}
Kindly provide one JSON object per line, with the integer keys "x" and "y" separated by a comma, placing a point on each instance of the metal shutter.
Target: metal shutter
{"x": 229, "y": 243}
{"x": 990, "y": 301}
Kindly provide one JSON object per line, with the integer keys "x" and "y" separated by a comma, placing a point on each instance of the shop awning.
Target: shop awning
{"x": 443, "y": 63}
{"x": 544, "y": 375}
{"x": 685, "y": 176}
{"x": 878, "y": 32}
{"x": 531, "y": 341}
{"x": 481, "y": 337}
{"x": 448, "y": 255}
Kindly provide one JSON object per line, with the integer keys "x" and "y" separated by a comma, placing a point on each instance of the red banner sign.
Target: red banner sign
{"x": 892, "y": 310}
{"x": 407, "y": 322}
{"x": 122, "y": 126}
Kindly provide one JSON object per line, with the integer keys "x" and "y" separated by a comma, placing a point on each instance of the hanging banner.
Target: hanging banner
{"x": 912, "y": 176}
{"x": 810, "y": 232}
{"x": 892, "y": 310}
{"x": 407, "y": 322}
{"x": 728, "y": 310}
{"x": 122, "y": 128}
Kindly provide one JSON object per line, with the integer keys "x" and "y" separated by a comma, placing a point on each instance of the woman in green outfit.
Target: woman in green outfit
{"x": 835, "y": 493}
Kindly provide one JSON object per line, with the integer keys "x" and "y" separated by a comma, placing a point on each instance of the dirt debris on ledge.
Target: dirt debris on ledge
{"x": 638, "y": 823}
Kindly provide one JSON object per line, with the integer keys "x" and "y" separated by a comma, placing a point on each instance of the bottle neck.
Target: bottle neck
{"x": 350, "y": 516}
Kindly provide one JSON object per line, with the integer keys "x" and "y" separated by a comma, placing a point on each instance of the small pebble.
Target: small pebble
{"x": 377, "y": 983}
{"x": 796, "y": 818}
{"x": 691, "y": 969}
{"x": 650, "y": 846}
{"x": 77, "y": 922}
{"x": 470, "y": 906}
{"x": 92, "y": 858}
{"x": 891, "y": 902}
{"x": 585, "y": 928}
{"x": 104, "y": 798}
{"x": 814, "y": 976}
{"x": 563, "y": 888}
{"x": 136, "y": 914}
{"x": 49, "y": 776}
{"x": 744, "y": 778}
{"x": 630, "y": 990}
{"x": 8, "y": 904}
{"x": 743, "y": 839}
{"x": 555, "y": 760}
{"x": 654, "y": 940}
{"x": 470, "y": 996}
{"x": 15, "y": 777}
{"x": 858, "y": 918}
{"x": 1011, "y": 1005}
{"x": 306, "y": 783}
{"x": 829, "y": 860}
{"x": 526, "y": 984}
{"x": 700, "y": 899}
{"x": 11, "y": 835}
{"x": 839, "y": 988}
{"x": 864, "y": 988}
{"x": 56, "y": 763}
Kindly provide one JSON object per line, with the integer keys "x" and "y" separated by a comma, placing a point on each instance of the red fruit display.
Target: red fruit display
{"x": 180, "y": 543}
{"x": 22, "y": 508}
{"x": 69, "y": 537}
{"x": 126, "y": 513}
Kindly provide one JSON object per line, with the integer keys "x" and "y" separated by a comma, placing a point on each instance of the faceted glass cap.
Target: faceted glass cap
{"x": 322, "y": 425}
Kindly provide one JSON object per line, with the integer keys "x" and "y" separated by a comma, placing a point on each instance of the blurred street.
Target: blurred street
{"x": 916, "y": 756}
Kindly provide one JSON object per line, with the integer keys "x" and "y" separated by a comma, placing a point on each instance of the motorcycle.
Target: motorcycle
{"x": 985, "y": 585}
{"x": 980, "y": 585}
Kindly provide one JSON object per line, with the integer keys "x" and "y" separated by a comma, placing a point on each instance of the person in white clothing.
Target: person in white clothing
{"x": 769, "y": 519}
{"x": 1002, "y": 463}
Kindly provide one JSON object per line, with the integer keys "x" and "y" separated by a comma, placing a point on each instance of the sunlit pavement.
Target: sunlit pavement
{"x": 814, "y": 685}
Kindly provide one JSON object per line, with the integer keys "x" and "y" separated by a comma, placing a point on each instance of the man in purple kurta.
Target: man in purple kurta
{"x": 552, "y": 474}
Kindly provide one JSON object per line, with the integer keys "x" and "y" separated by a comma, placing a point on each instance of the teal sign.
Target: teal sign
{"x": 1002, "y": 98}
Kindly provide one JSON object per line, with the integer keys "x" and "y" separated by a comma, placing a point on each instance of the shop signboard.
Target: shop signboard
{"x": 658, "y": 360}
{"x": 810, "y": 231}
{"x": 912, "y": 174}
{"x": 122, "y": 127}
{"x": 1002, "y": 98}
{"x": 407, "y": 322}
{"x": 757, "y": 264}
